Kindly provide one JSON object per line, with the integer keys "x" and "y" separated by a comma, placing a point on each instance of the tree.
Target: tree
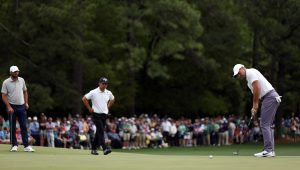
{"x": 156, "y": 33}
{"x": 225, "y": 40}
{"x": 275, "y": 26}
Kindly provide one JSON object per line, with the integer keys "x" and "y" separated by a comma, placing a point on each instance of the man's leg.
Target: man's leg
{"x": 268, "y": 111}
{"x": 22, "y": 118}
{"x": 106, "y": 150}
{"x": 12, "y": 124}
{"x": 101, "y": 127}
{"x": 95, "y": 143}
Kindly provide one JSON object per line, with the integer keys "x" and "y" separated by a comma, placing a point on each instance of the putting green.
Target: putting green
{"x": 148, "y": 159}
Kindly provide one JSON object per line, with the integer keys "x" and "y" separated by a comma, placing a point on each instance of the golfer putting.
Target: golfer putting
{"x": 262, "y": 91}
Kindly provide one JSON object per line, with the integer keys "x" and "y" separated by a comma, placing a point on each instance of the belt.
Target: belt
{"x": 99, "y": 113}
{"x": 269, "y": 92}
{"x": 15, "y": 105}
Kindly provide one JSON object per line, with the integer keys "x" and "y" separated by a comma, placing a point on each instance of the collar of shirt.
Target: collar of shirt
{"x": 102, "y": 91}
{"x": 13, "y": 80}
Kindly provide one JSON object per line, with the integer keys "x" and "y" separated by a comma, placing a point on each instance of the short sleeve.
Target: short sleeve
{"x": 89, "y": 95}
{"x": 24, "y": 85}
{"x": 251, "y": 76}
{"x": 4, "y": 89}
{"x": 111, "y": 96}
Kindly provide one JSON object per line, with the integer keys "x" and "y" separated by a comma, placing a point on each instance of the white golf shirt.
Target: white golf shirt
{"x": 252, "y": 75}
{"x": 100, "y": 99}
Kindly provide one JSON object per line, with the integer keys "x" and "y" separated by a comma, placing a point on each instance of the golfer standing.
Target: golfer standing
{"x": 15, "y": 97}
{"x": 102, "y": 100}
{"x": 262, "y": 91}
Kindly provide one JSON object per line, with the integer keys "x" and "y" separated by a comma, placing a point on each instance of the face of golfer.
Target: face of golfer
{"x": 102, "y": 86}
{"x": 241, "y": 74}
{"x": 14, "y": 75}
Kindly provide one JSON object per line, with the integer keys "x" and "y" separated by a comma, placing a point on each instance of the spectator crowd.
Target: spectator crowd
{"x": 144, "y": 131}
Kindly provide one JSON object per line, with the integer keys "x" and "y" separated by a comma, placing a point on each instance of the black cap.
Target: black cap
{"x": 103, "y": 80}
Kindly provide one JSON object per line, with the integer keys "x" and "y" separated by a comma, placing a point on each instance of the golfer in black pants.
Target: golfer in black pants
{"x": 102, "y": 100}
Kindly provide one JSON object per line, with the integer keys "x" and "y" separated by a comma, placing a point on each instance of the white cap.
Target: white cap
{"x": 236, "y": 69}
{"x": 34, "y": 118}
{"x": 13, "y": 69}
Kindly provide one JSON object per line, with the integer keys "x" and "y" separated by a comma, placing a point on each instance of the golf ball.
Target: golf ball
{"x": 210, "y": 156}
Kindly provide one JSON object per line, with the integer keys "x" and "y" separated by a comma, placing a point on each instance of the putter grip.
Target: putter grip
{"x": 252, "y": 114}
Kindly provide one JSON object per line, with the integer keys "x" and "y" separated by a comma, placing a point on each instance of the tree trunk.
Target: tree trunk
{"x": 280, "y": 89}
{"x": 17, "y": 4}
{"x": 77, "y": 79}
{"x": 255, "y": 48}
{"x": 132, "y": 91}
{"x": 131, "y": 71}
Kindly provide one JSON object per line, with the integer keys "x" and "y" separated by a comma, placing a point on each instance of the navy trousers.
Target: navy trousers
{"x": 20, "y": 113}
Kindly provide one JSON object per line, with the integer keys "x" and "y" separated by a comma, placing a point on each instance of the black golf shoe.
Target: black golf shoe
{"x": 94, "y": 152}
{"x": 107, "y": 151}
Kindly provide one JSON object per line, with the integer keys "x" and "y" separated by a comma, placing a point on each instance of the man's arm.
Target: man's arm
{"x": 110, "y": 103}
{"x": 26, "y": 99}
{"x": 5, "y": 100}
{"x": 87, "y": 105}
{"x": 256, "y": 94}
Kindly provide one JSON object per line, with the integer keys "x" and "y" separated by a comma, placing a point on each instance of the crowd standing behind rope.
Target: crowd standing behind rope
{"x": 144, "y": 131}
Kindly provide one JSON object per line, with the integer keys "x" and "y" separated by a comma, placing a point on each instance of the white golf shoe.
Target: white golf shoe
{"x": 14, "y": 148}
{"x": 265, "y": 154}
{"x": 29, "y": 149}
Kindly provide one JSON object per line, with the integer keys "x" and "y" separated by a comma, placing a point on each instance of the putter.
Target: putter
{"x": 10, "y": 127}
{"x": 238, "y": 147}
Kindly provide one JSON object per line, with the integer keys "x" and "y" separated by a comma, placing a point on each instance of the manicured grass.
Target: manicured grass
{"x": 244, "y": 150}
{"x": 148, "y": 159}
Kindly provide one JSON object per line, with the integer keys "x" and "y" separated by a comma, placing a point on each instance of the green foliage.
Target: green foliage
{"x": 165, "y": 56}
{"x": 40, "y": 98}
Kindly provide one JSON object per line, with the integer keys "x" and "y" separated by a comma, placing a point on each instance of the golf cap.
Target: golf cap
{"x": 103, "y": 80}
{"x": 236, "y": 69}
{"x": 13, "y": 69}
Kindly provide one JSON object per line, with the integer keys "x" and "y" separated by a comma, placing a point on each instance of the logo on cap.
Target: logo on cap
{"x": 103, "y": 80}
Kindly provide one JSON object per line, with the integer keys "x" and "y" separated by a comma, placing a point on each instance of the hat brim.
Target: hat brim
{"x": 235, "y": 75}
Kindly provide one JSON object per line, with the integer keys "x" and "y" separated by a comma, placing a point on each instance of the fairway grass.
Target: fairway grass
{"x": 149, "y": 159}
